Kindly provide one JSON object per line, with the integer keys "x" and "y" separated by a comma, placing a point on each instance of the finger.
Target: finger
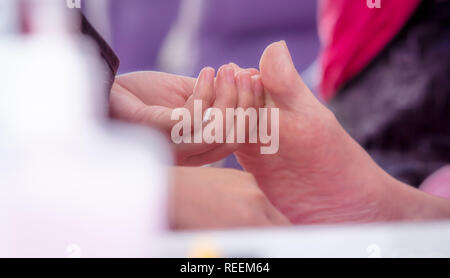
{"x": 226, "y": 97}
{"x": 122, "y": 103}
{"x": 258, "y": 90}
{"x": 126, "y": 106}
{"x": 274, "y": 216}
{"x": 252, "y": 71}
{"x": 158, "y": 88}
{"x": 237, "y": 69}
{"x": 226, "y": 91}
{"x": 203, "y": 90}
{"x": 256, "y": 84}
{"x": 246, "y": 100}
{"x": 211, "y": 156}
{"x": 244, "y": 85}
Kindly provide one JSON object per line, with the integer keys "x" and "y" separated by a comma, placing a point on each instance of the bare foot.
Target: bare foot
{"x": 320, "y": 174}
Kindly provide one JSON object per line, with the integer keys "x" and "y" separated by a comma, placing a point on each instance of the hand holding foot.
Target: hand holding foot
{"x": 320, "y": 174}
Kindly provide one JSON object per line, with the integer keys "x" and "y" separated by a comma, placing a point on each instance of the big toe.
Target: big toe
{"x": 280, "y": 78}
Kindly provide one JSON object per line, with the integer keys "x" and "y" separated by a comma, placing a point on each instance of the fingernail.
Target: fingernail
{"x": 229, "y": 74}
{"x": 235, "y": 66}
{"x": 244, "y": 81}
{"x": 207, "y": 73}
{"x": 257, "y": 85}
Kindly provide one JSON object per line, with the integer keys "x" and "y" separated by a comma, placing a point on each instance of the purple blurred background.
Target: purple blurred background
{"x": 226, "y": 31}
{"x": 138, "y": 28}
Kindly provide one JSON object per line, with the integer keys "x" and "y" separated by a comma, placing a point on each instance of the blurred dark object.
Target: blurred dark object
{"x": 398, "y": 108}
{"x": 106, "y": 51}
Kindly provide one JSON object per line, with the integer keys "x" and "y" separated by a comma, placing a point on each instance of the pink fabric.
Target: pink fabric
{"x": 352, "y": 34}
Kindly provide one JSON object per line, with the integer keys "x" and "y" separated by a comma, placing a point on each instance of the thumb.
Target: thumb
{"x": 280, "y": 78}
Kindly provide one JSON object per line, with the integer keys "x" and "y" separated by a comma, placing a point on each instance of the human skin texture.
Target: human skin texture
{"x": 149, "y": 98}
{"x": 438, "y": 183}
{"x": 319, "y": 175}
{"x": 211, "y": 198}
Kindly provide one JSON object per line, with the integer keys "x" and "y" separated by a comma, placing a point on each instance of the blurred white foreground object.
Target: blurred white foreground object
{"x": 71, "y": 183}
{"x": 8, "y": 16}
{"x": 375, "y": 240}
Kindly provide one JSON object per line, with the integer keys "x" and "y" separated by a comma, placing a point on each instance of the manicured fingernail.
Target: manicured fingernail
{"x": 257, "y": 85}
{"x": 235, "y": 66}
{"x": 229, "y": 74}
{"x": 207, "y": 73}
{"x": 244, "y": 81}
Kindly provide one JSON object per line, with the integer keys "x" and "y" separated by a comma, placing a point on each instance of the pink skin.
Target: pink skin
{"x": 150, "y": 97}
{"x": 320, "y": 174}
{"x": 438, "y": 183}
{"x": 223, "y": 198}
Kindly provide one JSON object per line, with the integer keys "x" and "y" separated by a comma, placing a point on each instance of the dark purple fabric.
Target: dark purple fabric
{"x": 398, "y": 108}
